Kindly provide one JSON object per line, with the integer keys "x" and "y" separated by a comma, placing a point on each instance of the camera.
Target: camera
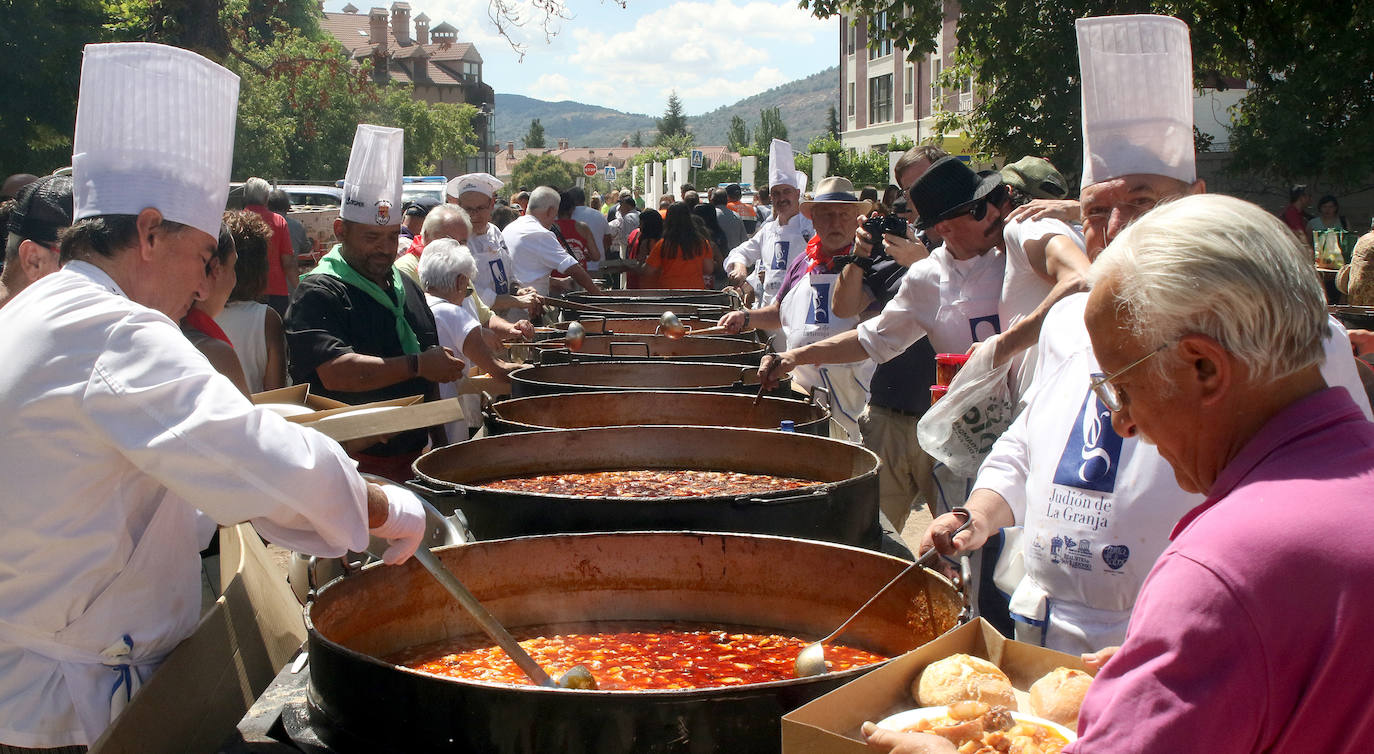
{"x": 877, "y": 226}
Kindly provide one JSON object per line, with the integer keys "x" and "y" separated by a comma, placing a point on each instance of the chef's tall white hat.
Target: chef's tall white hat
{"x": 482, "y": 183}
{"x": 154, "y": 128}
{"x": 782, "y": 168}
{"x": 1137, "y": 74}
{"x": 372, "y": 185}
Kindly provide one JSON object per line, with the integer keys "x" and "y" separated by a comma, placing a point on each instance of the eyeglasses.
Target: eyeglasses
{"x": 1102, "y": 385}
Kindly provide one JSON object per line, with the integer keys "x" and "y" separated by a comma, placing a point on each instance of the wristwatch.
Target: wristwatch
{"x": 745, "y": 326}
{"x": 413, "y": 364}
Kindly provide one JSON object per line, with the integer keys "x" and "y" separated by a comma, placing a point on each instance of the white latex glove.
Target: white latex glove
{"x": 404, "y": 527}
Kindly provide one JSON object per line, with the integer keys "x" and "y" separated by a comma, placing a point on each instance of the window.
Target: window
{"x": 880, "y": 99}
{"x": 879, "y": 49}
{"x": 850, "y": 99}
{"x": 472, "y": 70}
{"x": 851, "y": 33}
{"x": 935, "y": 94}
{"x": 908, "y": 86}
{"x": 966, "y": 94}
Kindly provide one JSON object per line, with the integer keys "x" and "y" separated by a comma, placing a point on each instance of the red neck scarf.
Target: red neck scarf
{"x": 819, "y": 259}
{"x": 198, "y": 320}
{"x": 416, "y": 246}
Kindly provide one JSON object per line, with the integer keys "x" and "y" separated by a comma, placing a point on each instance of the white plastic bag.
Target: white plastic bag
{"x": 961, "y": 427}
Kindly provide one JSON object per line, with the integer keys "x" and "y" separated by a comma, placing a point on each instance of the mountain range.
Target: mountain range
{"x": 803, "y": 104}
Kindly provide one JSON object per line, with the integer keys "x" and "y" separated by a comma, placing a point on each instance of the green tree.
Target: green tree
{"x": 534, "y": 138}
{"x": 674, "y": 121}
{"x": 637, "y": 140}
{"x": 43, "y": 43}
{"x": 544, "y": 170}
{"x": 738, "y": 134}
{"x": 832, "y": 122}
{"x": 1306, "y": 116}
{"x": 770, "y": 127}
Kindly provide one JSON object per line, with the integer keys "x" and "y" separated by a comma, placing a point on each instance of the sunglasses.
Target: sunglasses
{"x": 978, "y": 208}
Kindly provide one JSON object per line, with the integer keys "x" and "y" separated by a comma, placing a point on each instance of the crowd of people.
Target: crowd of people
{"x": 1189, "y": 422}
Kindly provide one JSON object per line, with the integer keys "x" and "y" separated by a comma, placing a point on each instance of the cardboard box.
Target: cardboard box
{"x": 830, "y": 724}
{"x": 349, "y": 422}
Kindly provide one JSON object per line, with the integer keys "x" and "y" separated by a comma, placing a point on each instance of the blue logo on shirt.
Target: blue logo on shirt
{"x": 780, "y": 252}
{"x": 1093, "y": 451}
{"x": 498, "y": 276}
{"x": 1115, "y": 556}
{"x": 819, "y": 313}
{"x": 982, "y": 328}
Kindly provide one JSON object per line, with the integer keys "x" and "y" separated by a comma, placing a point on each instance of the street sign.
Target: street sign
{"x": 589, "y": 169}
{"x": 697, "y": 158}
{"x": 610, "y": 172}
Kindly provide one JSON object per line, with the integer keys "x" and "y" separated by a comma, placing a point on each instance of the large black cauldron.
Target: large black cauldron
{"x": 366, "y": 704}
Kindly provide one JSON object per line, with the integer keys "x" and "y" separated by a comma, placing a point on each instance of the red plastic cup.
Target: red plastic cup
{"x": 947, "y": 365}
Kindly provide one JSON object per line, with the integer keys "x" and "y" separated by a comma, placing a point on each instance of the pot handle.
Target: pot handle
{"x": 734, "y": 293}
{"x": 601, "y": 319}
{"x": 632, "y": 343}
{"x": 820, "y": 491}
{"x": 486, "y": 400}
{"x": 821, "y": 389}
{"x": 427, "y": 488}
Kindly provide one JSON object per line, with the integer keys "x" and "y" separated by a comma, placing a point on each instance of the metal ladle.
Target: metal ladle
{"x": 577, "y": 677}
{"x": 574, "y": 339}
{"x": 671, "y": 326}
{"x": 811, "y": 660}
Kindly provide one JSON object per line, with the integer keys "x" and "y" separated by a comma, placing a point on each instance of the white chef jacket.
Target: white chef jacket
{"x": 495, "y": 270}
{"x": 115, "y": 431}
{"x": 535, "y": 252}
{"x": 1097, "y": 509}
{"x": 454, "y": 324}
{"x": 1023, "y": 288}
{"x": 770, "y": 250}
{"x": 600, "y": 227}
{"x": 953, "y": 302}
{"x": 806, "y": 319}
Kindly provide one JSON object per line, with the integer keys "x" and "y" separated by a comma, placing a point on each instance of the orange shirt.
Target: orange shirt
{"x": 680, "y": 272}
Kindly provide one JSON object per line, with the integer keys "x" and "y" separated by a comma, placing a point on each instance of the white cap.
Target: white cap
{"x": 483, "y": 183}
{"x": 1137, "y": 74}
{"x": 782, "y": 168}
{"x": 372, "y": 185}
{"x": 154, "y": 128}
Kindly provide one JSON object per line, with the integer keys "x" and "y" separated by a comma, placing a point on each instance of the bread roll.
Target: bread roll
{"x": 1059, "y": 695}
{"x": 963, "y": 678}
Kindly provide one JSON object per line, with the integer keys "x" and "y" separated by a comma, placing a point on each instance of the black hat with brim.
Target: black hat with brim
{"x": 42, "y": 209}
{"x": 947, "y": 189}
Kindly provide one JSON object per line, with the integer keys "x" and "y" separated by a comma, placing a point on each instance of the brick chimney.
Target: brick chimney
{"x": 376, "y": 28}
{"x": 562, "y": 143}
{"x": 422, "y": 29}
{"x": 624, "y": 143}
{"x": 400, "y": 21}
{"x": 510, "y": 149}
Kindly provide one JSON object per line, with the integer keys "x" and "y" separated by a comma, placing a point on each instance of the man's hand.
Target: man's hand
{"x": 734, "y": 322}
{"x": 1067, "y": 210}
{"x": 879, "y": 739}
{"x": 1362, "y": 341}
{"x": 774, "y": 367}
{"x": 524, "y": 329}
{"x": 404, "y": 526}
{"x": 863, "y": 242}
{"x": 1095, "y": 660}
{"x": 907, "y": 250}
{"x": 937, "y": 535}
{"x": 440, "y": 365}
{"x": 527, "y": 299}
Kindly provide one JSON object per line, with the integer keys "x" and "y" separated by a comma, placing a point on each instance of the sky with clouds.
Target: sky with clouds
{"x": 713, "y": 52}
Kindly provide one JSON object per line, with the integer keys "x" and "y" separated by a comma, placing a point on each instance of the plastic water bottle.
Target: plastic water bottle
{"x": 788, "y": 425}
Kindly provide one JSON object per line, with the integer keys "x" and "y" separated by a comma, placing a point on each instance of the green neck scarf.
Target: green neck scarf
{"x": 333, "y": 265}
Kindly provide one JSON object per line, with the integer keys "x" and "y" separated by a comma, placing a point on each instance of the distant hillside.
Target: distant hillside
{"x": 582, "y": 125}
{"x": 803, "y": 104}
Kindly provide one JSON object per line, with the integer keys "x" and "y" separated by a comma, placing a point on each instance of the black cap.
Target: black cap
{"x": 42, "y": 209}
{"x": 948, "y": 186}
{"x": 420, "y": 206}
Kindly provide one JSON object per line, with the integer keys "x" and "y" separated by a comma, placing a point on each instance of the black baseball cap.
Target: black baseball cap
{"x": 42, "y": 209}
{"x": 420, "y": 206}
